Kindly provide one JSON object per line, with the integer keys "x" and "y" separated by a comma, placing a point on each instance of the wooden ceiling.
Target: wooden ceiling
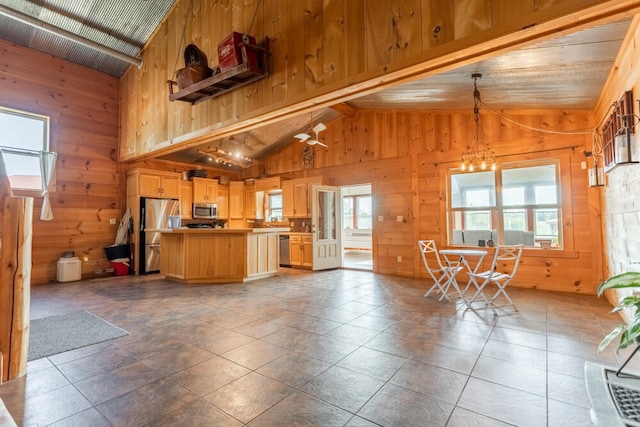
{"x": 567, "y": 72}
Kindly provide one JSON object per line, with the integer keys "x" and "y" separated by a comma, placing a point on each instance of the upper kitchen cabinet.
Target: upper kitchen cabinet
{"x": 250, "y": 202}
{"x": 268, "y": 184}
{"x": 205, "y": 190}
{"x": 151, "y": 183}
{"x": 222, "y": 199}
{"x": 296, "y": 195}
{"x": 186, "y": 199}
{"x": 236, "y": 200}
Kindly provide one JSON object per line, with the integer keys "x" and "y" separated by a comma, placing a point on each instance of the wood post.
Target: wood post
{"x": 15, "y": 285}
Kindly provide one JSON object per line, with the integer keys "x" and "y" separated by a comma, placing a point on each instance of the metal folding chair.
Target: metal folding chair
{"x": 503, "y": 269}
{"x": 442, "y": 274}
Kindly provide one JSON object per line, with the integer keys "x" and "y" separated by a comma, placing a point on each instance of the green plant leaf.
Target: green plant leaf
{"x": 628, "y": 301}
{"x": 625, "y": 280}
{"x": 610, "y": 337}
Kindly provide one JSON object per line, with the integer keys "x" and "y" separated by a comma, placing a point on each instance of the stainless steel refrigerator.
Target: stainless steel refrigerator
{"x": 154, "y": 214}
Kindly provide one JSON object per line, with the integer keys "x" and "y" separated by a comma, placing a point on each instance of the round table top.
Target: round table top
{"x": 463, "y": 252}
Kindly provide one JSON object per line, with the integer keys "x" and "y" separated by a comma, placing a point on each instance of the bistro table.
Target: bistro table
{"x": 460, "y": 257}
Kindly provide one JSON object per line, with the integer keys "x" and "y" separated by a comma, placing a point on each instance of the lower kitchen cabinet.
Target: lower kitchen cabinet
{"x": 301, "y": 250}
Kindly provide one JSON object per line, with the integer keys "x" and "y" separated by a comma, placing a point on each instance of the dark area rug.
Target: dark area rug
{"x": 68, "y": 331}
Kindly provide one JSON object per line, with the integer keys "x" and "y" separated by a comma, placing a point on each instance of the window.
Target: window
{"x": 275, "y": 206}
{"x": 24, "y": 136}
{"x": 516, "y": 204}
{"x": 357, "y": 212}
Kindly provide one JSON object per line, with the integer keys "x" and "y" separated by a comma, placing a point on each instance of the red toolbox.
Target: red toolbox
{"x": 232, "y": 49}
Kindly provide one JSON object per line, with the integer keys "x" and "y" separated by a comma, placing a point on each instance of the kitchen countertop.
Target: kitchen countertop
{"x": 295, "y": 233}
{"x": 219, "y": 230}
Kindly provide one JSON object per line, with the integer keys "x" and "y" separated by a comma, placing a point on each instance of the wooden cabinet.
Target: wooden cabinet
{"x": 301, "y": 250}
{"x": 160, "y": 184}
{"x": 268, "y": 184}
{"x": 205, "y": 190}
{"x": 222, "y": 199}
{"x": 236, "y": 200}
{"x": 186, "y": 199}
{"x": 288, "y": 210}
{"x": 250, "y": 201}
{"x": 296, "y": 197}
{"x": 262, "y": 254}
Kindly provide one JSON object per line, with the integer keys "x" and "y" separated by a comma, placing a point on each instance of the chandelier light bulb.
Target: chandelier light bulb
{"x": 483, "y": 165}
{"x": 493, "y": 166}
{"x": 463, "y": 166}
{"x": 470, "y": 167}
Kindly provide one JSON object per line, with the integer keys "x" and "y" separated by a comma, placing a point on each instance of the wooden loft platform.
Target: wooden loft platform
{"x": 231, "y": 79}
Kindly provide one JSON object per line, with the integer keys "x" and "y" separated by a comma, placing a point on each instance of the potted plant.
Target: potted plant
{"x": 629, "y": 333}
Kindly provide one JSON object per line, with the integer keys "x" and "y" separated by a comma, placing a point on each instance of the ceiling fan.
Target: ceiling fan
{"x": 305, "y": 137}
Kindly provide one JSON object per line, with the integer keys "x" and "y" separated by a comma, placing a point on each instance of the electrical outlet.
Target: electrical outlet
{"x": 399, "y": 258}
{"x": 85, "y": 259}
{"x": 112, "y": 221}
{"x": 399, "y": 219}
{"x": 380, "y": 218}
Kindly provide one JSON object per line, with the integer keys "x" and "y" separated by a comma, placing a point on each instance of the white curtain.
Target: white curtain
{"x": 47, "y": 169}
{"x": 3, "y": 175}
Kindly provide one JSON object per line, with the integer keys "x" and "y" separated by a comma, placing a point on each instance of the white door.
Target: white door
{"x": 325, "y": 227}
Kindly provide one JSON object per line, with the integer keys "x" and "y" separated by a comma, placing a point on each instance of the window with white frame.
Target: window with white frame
{"x": 24, "y": 136}
{"x": 357, "y": 212}
{"x": 515, "y": 204}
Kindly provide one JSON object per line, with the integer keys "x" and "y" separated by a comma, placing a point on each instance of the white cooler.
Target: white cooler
{"x": 69, "y": 269}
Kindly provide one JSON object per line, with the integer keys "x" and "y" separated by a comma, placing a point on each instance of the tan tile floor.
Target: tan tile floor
{"x": 329, "y": 348}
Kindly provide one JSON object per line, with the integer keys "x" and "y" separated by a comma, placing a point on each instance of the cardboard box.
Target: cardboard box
{"x": 230, "y": 51}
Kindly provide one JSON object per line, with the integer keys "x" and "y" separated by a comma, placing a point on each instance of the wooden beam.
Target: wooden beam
{"x": 345, "y": 109}
{"x": 15, "y": 285}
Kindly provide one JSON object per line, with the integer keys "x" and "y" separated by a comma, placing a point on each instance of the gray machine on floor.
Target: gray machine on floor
{"x": 154, "y": 214}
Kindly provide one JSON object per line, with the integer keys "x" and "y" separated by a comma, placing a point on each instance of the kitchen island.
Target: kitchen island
{"x": 207, "y": 255}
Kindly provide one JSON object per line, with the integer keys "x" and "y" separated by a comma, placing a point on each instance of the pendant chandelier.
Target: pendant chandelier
{"x": 478, "y": 153}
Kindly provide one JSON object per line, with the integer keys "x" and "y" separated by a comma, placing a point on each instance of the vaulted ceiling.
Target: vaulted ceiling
{"x": 565, "y": 72}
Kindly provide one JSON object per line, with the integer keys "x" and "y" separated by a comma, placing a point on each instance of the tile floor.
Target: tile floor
{"x": 329, "y": 348}
{"x": 357, "y": 259}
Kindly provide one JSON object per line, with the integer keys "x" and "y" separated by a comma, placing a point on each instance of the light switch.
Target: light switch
{"x": 399, "y": 258}
{"x": 399, "y": 218}
{"x": 112, "y": 221}
{"x": 380, "y": 218}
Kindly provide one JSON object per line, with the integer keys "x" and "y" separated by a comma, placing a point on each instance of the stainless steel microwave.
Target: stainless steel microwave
{"x": 205, "y": 211}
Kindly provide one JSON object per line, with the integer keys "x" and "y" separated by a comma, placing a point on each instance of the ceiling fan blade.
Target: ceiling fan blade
{"x": 315, "y": 141}
{"x": 319, "y": 128}
{"x": 302, "y": 136}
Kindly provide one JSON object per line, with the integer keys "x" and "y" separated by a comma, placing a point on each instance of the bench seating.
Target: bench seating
{"x": 511, "y": 237}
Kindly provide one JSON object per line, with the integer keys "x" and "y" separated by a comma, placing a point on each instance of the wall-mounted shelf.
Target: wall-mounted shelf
{"x": 222, "y": 82}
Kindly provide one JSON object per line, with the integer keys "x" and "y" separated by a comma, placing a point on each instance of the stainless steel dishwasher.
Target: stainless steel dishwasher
{"x": 285, "y": 260}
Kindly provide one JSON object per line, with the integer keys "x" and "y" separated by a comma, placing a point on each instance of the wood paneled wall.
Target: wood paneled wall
{"x": 621, "y": 213}
{"x": 83, "y": 107}
{"x": 322, "y": 52}
{"x": 405, "y": 155}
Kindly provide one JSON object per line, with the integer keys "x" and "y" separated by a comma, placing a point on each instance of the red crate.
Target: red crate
{"x": 230, "y": 51}
{"x": 120, "y": 268}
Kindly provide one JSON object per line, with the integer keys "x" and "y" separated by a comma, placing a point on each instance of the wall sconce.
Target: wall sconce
{"x": 626, "y": 143}
{"x": 596, "y": 173}
{"x": 626, "y": 140}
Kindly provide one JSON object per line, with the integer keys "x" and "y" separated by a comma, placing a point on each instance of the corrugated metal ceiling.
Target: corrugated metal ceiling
{"x": 123, "y": 25}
